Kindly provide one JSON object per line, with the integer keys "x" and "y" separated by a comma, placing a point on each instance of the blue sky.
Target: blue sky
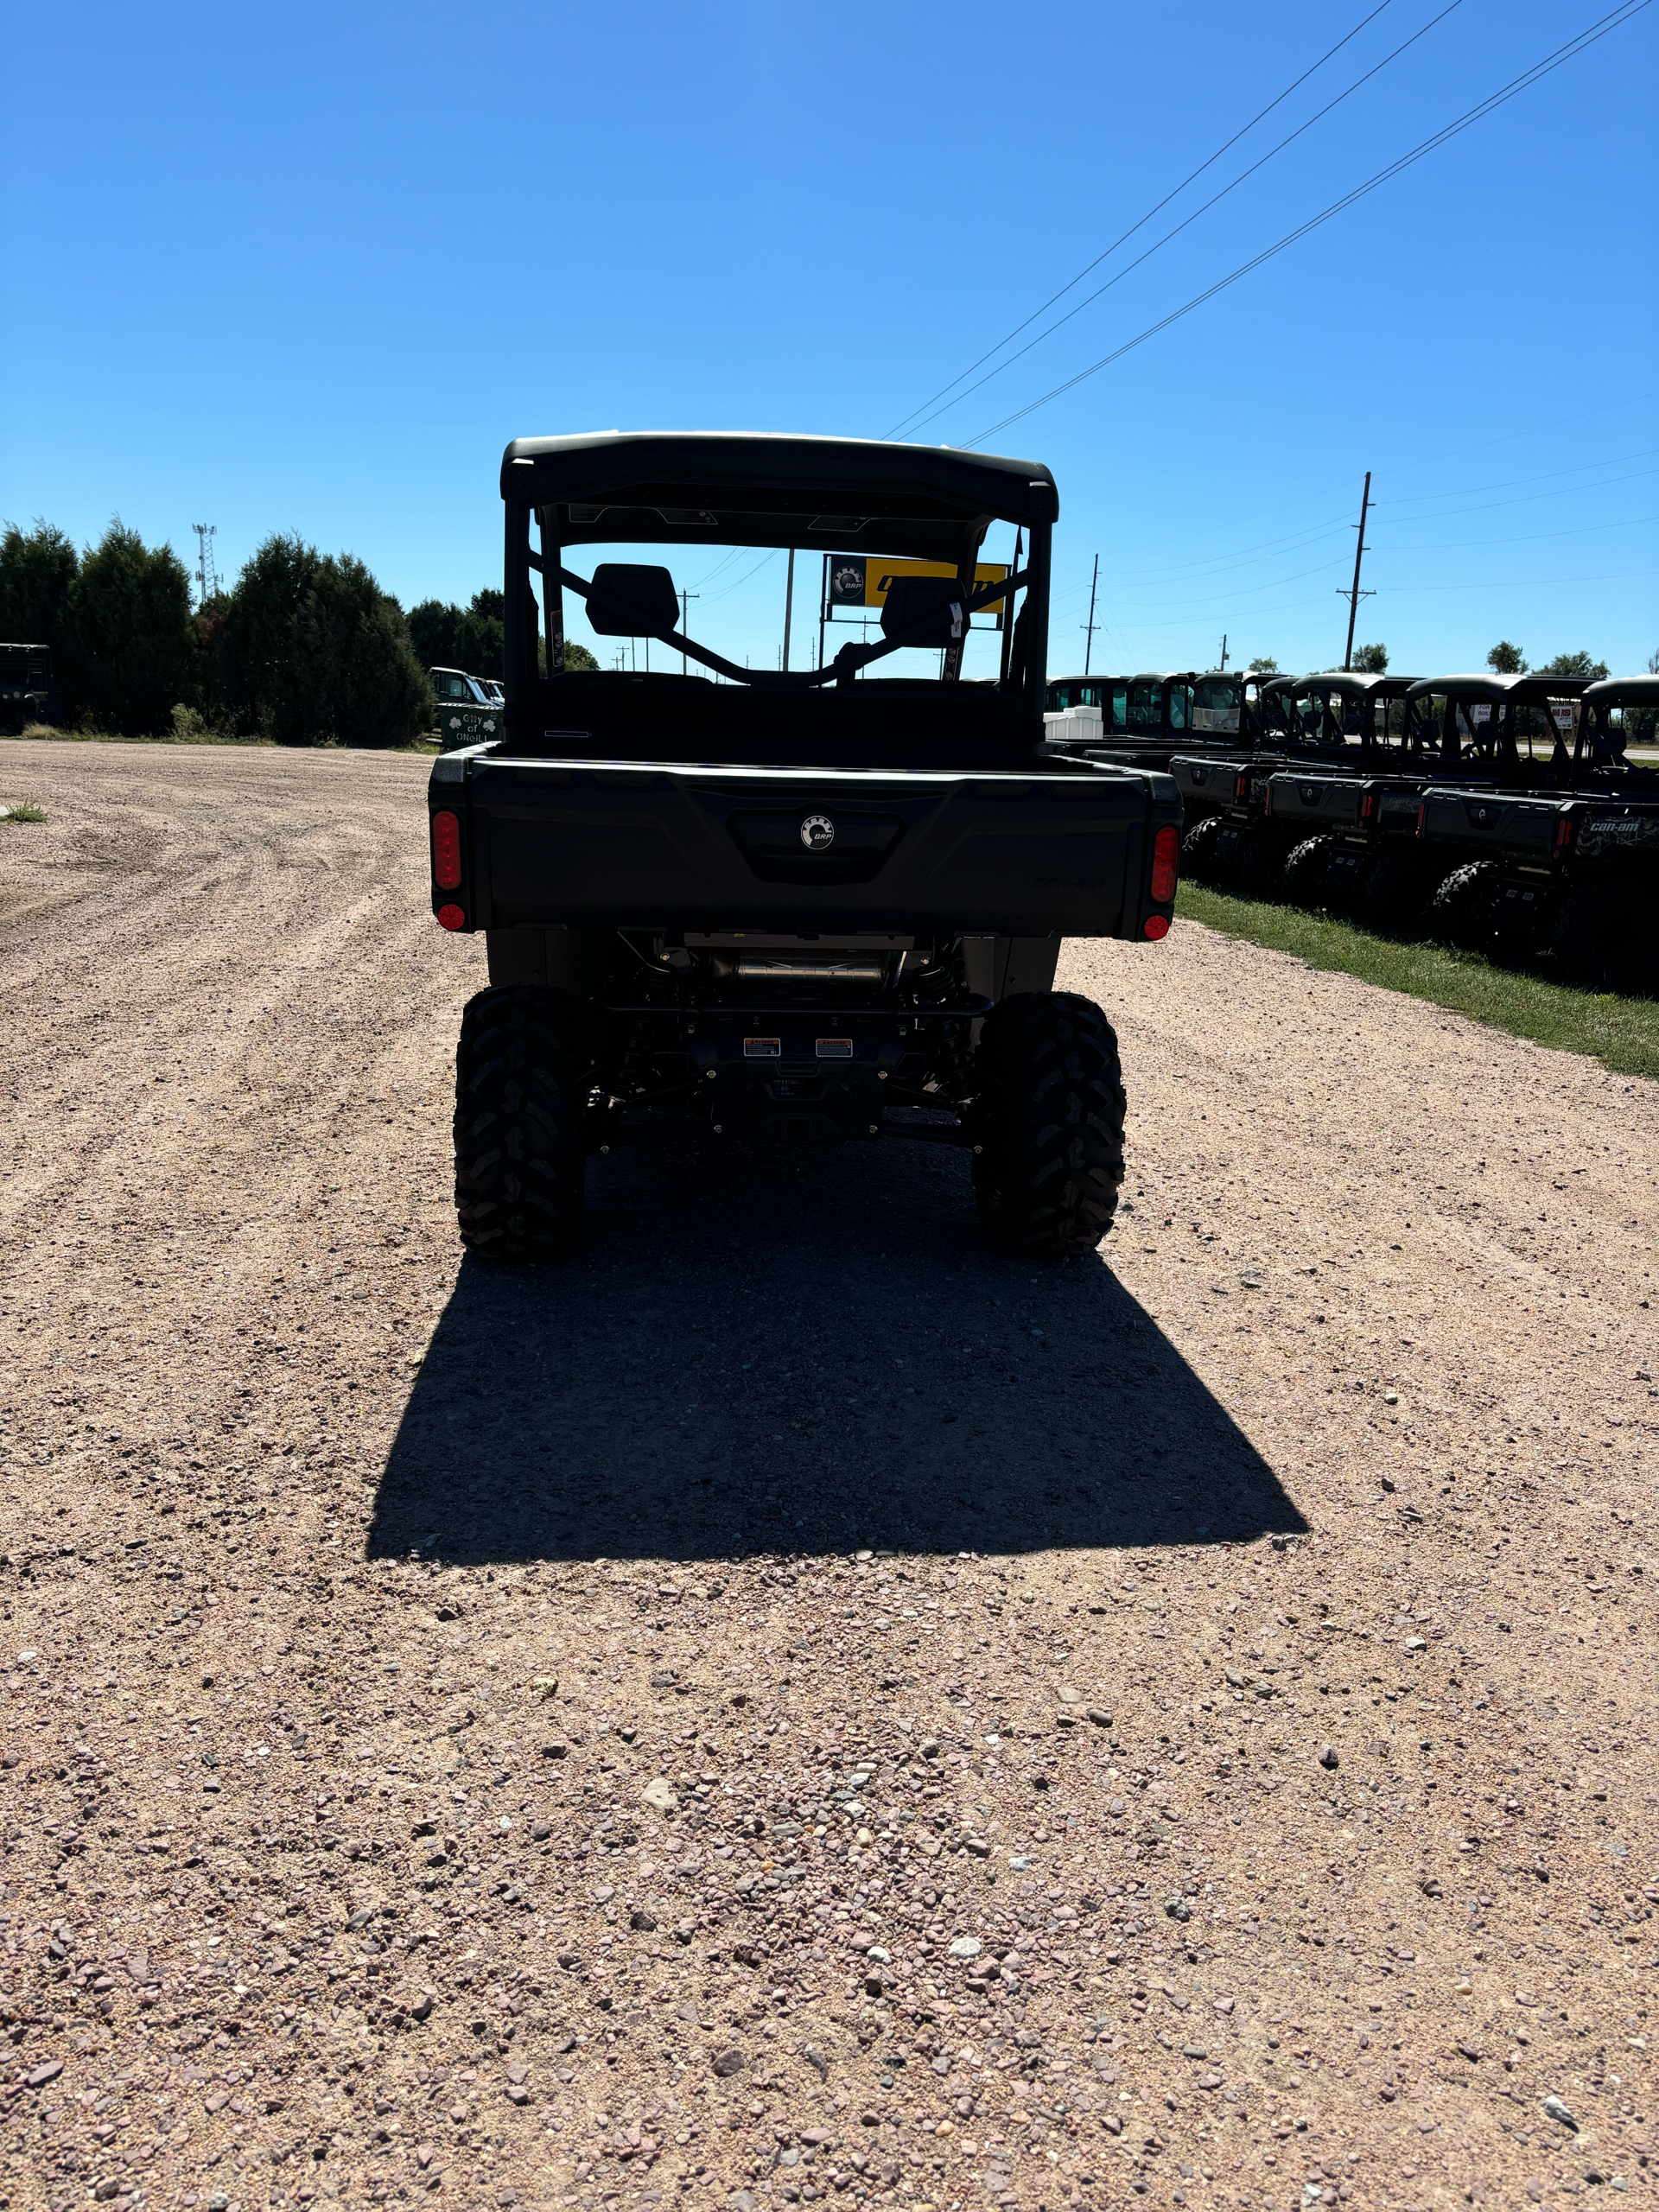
{"x": 308, "y": 268}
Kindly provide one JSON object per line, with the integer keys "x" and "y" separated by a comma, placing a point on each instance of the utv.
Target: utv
{"x": 1573, "y": 867}
{"x": 803, "y": 907}
{"x": 1142, "y": 721}
{"x": 1324, "y": 723}
{"x": 26, "y": 691}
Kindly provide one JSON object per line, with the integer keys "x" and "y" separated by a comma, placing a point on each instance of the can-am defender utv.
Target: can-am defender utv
{"x": 805, "y": 906}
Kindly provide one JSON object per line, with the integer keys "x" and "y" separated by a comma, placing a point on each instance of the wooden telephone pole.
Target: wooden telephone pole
{"x": 1354, "y": 596}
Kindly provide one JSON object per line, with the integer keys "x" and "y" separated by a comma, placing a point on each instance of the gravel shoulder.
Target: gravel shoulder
{"x": 792, "y": 1707}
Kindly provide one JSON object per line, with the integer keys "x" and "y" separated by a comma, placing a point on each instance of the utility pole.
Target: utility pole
{"x": 685, "y": 598}
{"x": 1355, "y": 595}
{"x": 1089, "y": 626}
{"x": 207, "y": 573}
{"x": 789, "y": 605}
{"x": 1223, "y": 653}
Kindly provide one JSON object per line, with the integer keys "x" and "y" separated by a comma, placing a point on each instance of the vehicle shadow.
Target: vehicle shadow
{"x": 804, "y": 1351}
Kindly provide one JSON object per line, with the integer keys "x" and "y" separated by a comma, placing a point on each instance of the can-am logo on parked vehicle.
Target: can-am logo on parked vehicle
{"x": 817, "y": 833}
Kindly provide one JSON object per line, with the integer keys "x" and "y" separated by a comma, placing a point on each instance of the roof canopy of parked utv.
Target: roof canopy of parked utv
{"x": 1524, "y": 690}
{"x": 706, "y": 488}
{"x": 1624, "y": 691}
{"x": 1353, "y": 684}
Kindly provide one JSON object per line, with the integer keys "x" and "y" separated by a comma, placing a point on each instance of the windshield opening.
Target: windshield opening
{"x": 1215, "y": 705}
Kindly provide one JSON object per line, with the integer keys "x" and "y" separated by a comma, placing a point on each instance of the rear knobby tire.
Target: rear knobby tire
{"x": 519, "y": 1153}
{"x": 1305, "y": 871}
{"x": 1465, "y": 908}
{"x": 1051, "y": 1126}
{"x": 1200, "y": 858}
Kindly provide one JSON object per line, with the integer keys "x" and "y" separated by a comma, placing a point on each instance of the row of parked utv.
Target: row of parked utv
{"x": 1501, "y": 814}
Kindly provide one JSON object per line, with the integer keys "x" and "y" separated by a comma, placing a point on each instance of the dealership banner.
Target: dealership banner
{"x": 856, "y": 580}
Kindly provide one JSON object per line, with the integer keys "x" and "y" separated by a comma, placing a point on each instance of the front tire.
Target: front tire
{"x": 1465, "y": 909}
{"x": 1305, "y": 872}
{"x": 1050, "y": 1119}
{"x": 519, "y": 1153}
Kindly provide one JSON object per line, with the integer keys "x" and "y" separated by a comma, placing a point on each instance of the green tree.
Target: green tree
{"x": 474, "y": 639}
{"x": 130, "y": 639}
{"x": 1505, "y": 659}
{"x": 1266, "y": 667}
{"x": 314, "y": 652}
{"x": 38, "y": 567}
{"x": 1574, "y": 664}
{"x": 1371, "y": 660}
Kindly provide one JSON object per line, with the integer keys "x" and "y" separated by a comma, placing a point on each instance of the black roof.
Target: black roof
{"x": 1525, "y": 690}
{"x": 715, "y": 487}
{"x": 1356, "y": 683}
{"x": 1624, "y": 691}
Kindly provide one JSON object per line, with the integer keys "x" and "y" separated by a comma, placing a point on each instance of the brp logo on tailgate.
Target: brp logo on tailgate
{"x": 817, "y": 833}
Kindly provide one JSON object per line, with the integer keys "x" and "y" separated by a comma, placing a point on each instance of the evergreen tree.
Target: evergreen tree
{"x": 314, "y": 652}
{"x": 130, "y": 642}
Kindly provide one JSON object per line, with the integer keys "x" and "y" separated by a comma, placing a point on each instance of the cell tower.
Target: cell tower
{"x": 206, "y": 572}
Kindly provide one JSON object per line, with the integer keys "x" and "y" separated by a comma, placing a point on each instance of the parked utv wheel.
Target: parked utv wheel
{"x": 1307, "y": 869}
{"x": 1608, "y": 935}
{"x": 519, "y": 1154}
{"x": 1392, "y": 896}
{"x": 1464, "y": 911}
{"x": 1050, "y": 1124}
{"x": 1200, "y": 850}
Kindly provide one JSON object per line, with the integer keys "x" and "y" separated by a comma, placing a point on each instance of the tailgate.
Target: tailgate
{"x": 1524, "y": 827}
{"x": 669, "y": 846}
{"x": 1322, "y": 802}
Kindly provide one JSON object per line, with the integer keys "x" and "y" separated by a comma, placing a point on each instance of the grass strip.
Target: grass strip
{"x": 1622, "y": 1034}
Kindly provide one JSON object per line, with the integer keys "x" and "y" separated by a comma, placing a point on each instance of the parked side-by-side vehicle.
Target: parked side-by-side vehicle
{"x": 801, "y": 905}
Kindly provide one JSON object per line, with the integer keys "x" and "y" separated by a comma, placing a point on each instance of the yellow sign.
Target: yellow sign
{"x": 858, "y": 582}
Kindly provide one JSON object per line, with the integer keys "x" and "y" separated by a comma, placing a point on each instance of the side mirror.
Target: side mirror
{"x": 631, "y": 599}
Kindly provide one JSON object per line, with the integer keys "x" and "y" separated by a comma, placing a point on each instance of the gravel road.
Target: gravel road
{"x": 792, "y": 1707}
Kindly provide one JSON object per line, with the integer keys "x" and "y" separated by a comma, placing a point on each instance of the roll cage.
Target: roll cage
{"x": 1501, "y": 721}
{"x": 819, "y": 495}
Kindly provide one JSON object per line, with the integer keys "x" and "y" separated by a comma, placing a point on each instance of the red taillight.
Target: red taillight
{"x": 1166, "y": 863}
{"x": 1367, "y": 805}
{"x": 1563, "y": 833}
{"x": 1422, "y": 815}
{"x": 1242, "y": 789}
{"x": 452, "y": 917}
{"x": 1154, "y": 926}
{"x": 446, "y": 852}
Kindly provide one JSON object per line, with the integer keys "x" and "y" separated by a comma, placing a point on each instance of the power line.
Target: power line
{"x": 1187, "y": 221}
{"x": 1508, "y": 483}
{"x": 1141, "y": 224}
{"x": 1613, "y": 21}
{"x": 1525, "y": 499}
{"x": 1528, "y": 537}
